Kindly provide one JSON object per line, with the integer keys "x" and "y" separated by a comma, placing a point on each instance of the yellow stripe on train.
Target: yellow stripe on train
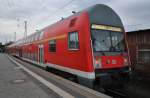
{"x": 48, "y": 39}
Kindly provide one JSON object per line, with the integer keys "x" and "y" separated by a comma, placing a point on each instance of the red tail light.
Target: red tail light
{"x": 98, "y": 63}
{"x": 126, "y": 61}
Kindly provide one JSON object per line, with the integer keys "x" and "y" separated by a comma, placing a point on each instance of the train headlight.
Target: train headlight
{"x": 125, "y": 61}
{"x": 98, "y": 63}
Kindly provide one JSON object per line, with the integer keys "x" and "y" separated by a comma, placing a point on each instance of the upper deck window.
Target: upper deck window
{"x": 73, "y": 40}
{"x": 41, "y": 35}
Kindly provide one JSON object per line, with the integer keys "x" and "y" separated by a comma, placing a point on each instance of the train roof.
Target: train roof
{"x": 103, "y": 14}
{"x": 98, "y": 13}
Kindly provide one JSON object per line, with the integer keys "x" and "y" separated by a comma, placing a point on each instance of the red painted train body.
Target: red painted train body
{"x": 89, "y": 44}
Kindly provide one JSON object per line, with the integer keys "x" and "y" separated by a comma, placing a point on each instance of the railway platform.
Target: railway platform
{"x": 21, "y": 80}
{"x": 15, "y": 83}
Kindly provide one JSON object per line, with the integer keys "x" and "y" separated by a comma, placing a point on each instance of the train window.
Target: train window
{"x": 41, "y": 35}
{"x": 36, "y": 38}
{"x": 52, "y": 46}
{"x": 38, "y": 35}
{"x": 33, "y": 38}
{"x": 73, "y": 41}
{"x": 30, "y": 39}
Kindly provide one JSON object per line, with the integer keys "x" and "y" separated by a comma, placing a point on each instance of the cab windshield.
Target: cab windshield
{"x": 107, "y": 41}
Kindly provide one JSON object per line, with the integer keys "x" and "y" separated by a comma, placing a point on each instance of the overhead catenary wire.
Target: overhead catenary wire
{"x": 58, "y": 10}
{"x": 63, "y": 6}
{"x": 10, "y": 3}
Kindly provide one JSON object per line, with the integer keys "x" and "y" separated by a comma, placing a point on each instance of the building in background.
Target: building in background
{"x": 139, "y": 47}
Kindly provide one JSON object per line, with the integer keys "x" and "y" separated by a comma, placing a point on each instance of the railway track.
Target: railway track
{"x": 116, "y": 93}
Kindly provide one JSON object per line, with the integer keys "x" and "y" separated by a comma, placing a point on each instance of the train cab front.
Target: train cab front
{"x": 110, "y": 53}
{"x": 111, "y": 61}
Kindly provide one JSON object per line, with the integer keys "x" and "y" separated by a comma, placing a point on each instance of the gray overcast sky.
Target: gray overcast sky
{"x": 135, "y": 14}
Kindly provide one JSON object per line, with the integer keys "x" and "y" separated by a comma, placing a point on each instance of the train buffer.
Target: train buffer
{"x": 19, "y": 79}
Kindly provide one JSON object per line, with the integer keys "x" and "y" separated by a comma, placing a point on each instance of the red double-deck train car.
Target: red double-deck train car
{"x": 90, "y": 44}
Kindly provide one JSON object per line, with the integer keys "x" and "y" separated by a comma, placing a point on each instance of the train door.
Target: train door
{"x": 41, "y": 54}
